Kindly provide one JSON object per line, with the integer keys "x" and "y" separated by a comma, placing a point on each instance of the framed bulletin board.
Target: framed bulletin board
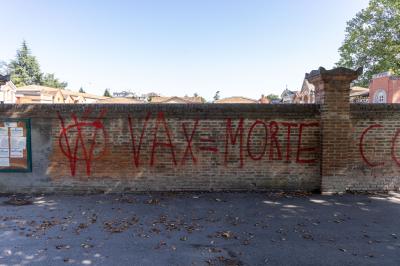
{"x": 15, "y": 145}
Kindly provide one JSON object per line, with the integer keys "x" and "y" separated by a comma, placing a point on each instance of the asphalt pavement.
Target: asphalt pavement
{"x": 244, "y": 228}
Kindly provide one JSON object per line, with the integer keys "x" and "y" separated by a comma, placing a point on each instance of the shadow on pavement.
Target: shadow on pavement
{"x": 243, "y": 228}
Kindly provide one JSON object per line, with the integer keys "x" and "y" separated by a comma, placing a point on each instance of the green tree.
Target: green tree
{"x": 216, "y": 96}
{"x": 81, "y": 90}
{"x": 50, "y": 81}
{"x": 4, "y": 70}
{"x": 272, "y": 97}
{"x": 107, "y": 93}
{"x": 373, "y": 40}
{"x": 25, "y": 68}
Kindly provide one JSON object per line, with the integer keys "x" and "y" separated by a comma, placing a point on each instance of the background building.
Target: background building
{"x": 306, "y": 94}
{"x": 42, "y": 94}
{"x": 176, "y": 99}
{"x": 120, "y": 100}
{"x": 236, "y": 99}
{"x": 7, "y": 92}
{"x": 359, "y": 95}
{"x": 384, "y": 88}
{"x": 288, "y": 96}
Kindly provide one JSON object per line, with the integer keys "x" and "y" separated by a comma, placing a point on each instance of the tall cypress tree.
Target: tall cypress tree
{"x": 107, "y": 93}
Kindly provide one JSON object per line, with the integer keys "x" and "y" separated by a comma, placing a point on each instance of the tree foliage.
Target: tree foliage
{"x": 373, "y": 40}
{"x": 81, "y": 90}
{"x": 272, "y": 97}
{"x": 25, "y": 70}
{"x": 216, "y": 96}
{"x": 3, "y": 68}
{"x": 107, "y": 93}
{"x": 50, "y": 81}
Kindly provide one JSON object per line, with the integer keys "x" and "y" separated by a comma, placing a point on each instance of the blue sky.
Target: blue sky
{"x": 176, "y": 47}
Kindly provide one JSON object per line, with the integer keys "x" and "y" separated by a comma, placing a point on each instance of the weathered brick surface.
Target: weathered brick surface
{"x": 332, "y": 93}
{"x": 359, "y": 142}
{"x": 375, "y": 149}
{"x": 182, "y": 147}
{"x": 332, "y": 146}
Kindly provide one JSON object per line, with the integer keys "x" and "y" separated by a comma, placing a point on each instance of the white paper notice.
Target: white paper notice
{"x": 16, "y": 153}
{"x": 18, "y": 142}
{"x": 17, "y": 131}
{"x": 3, "y": 142}
{"x": 3, "y": 131}
{"x": 4, "y": 161}
{"x": 4, "y": 153}
{"x": 10, "y": 124}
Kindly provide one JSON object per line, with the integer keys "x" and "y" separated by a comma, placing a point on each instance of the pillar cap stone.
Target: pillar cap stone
{"x": 339, "y": 73}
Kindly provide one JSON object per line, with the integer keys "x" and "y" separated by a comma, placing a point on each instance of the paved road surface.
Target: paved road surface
{"x": 202, "y": 229}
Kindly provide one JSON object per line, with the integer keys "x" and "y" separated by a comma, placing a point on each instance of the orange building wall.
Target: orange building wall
{"x": 390, "y": 85}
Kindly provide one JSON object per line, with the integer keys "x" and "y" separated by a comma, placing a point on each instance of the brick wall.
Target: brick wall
{"x": 375, "y": 163}
{"x": 169, "y": 147}
{"x": 333, "y": 95}
{"x": 332, "y": 146}
{"x": 359, "y": 143}
{"x": 373, "y": 158}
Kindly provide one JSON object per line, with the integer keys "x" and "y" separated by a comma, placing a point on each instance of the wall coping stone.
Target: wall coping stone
{"x": 359, "y": 110}
{"x": 203, "y": 111}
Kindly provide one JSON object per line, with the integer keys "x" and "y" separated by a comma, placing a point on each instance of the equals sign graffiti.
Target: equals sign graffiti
{"x": 208, "y": 148}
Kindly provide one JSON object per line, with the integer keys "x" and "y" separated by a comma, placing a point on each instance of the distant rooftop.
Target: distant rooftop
{"x": 120, "y": 100}
{"x": 385, "y": 74}
{"x": 176, "y": 99}
{"x": 50, "y": 90}
{"x": 236, "y": 99}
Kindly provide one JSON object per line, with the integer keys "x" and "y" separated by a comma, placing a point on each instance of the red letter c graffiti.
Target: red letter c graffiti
{"x": 394, "y": 157}
{"x": 372, "y": 164}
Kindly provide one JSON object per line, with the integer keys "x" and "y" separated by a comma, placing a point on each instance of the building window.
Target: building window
{"x": 380, "y": 96}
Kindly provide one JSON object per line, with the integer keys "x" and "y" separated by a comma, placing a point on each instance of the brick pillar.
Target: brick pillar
{"x": 332, "y": 93}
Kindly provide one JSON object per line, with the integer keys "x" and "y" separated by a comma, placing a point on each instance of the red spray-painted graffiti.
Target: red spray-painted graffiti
{"x": 152, "y": 136}
{"x": 274, "y": 141}
{"x": 161, "y": 121}
{"x": 189, "y": 140}
{"x": 369, "y": 161}
{"x": 288, "y": 134}
{"x": 301, "y": 149}
{"x": 393, "y": 149}
{"x": 77, "y": 141}
{"x": 361, "y": 146}
{"x": 234, "y": 137}
{"x": 249, "y": 139}
{"x": 83, "y": 146}
{"x": 136, "y": 151}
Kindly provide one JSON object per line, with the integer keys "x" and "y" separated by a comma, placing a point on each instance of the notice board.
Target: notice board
{"x": 15, "y": 145}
